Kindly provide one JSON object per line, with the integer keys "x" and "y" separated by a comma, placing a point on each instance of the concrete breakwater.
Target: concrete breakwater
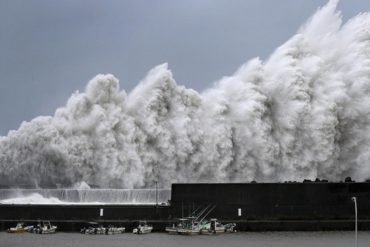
{"x": 253, "y": 206}
{"x": 74, "y": 217}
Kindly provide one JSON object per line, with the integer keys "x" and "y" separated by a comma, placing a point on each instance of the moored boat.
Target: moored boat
{"x": 192, "y": 225}
{"x": 95, "y": 228}
{"x": 142, "y": 228}
{"x": 44, "y": 227}
{"x": 171, "y": 229}
{"x": 189, "y": 226}
{"x": 114, "y": 230}
{"x": 230, "y": 227}
{"x": 19, "y": 228}
{"x": 90, "y": 228}
{"x": 213, "y": 227}
{"x": 100, "y": 230}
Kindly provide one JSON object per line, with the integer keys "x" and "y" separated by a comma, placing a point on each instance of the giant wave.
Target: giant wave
{"x": 303, "y": 113}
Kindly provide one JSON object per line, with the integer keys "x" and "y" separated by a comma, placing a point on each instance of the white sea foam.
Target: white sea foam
{"x": 303, "y": 113}
{"x": 32, "y": 199}
{"x": 84, "y": 196}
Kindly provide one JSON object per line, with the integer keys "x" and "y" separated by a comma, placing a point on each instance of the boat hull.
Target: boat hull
{"x": 171, "y": 230}
{"x": 209, "y": 232}
{"x": 188, "y": 232}
{"x": 17, "y": 230}
{"x": 48, "y": 231}
{"x": 143, "y": 230}
{"x": 119, "y": 230}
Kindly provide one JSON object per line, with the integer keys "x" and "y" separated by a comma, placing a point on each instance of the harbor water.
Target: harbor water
{"x": 255, "y": 239}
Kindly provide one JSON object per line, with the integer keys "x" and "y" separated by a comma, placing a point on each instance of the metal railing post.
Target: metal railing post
{"x": 355, "y": 201}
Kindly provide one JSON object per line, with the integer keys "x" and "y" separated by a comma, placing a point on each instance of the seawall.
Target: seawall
{"x": 253, "y": 206}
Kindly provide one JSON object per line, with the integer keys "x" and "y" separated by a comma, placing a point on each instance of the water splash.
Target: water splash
{"x": 84, "y": 196}
{"x": 303, "y": 113}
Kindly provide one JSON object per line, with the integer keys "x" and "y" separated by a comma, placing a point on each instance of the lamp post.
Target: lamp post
{"x": 156, "y": 193}
{"x": 355, "y": 201}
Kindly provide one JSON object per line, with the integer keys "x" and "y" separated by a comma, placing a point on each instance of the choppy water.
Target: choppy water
{"x": 259, "y": 239}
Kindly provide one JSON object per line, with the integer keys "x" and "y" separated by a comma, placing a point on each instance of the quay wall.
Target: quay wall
{"x": 253, "y": 206}
{"x": 74, "y": 217}
{"x": 274, "y": 201}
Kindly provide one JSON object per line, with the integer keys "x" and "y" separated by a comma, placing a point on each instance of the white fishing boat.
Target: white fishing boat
{"x": 180, "y": 226}
{"x": 115, "y": 230}
{"x": 142, "y": 228}
{"x": 90, "y": 228}
{"x": 230, "y": 227}
{"x": 19, "y": 228}
{"x": 44, "y": 227}
{"x": 172, "y": 229}
{"x": 95, "y": 228}
{"x": 213, "y": 227}
{"x": 100, "y": 230}
{"x": 189, "y": 226}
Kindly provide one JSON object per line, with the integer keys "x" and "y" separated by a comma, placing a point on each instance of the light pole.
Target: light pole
{"x": 156, "y": 193}
{"x": 355, "y": 201}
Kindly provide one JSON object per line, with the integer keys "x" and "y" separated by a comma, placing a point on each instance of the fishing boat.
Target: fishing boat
{"x": 173, "y": 229}
{"x": 90, "y": 228}
{"x": 230, "y": 227}
{"x": 95, "y": 228}
{"x": 193, "y": 224}
{"x": 19, "y": 228}
{"x": 213, "y": 227}
{"x": 184, "y": 226}
{"x": 44, "y": 227}
{"x": 189, "y": 226}
{"x": 143, "y": 228}
{"x": 114, "y": 230}
{"x": 100, "y": 230}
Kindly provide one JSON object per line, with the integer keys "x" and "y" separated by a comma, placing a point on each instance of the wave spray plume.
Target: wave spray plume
{"x": 303, "y": 113}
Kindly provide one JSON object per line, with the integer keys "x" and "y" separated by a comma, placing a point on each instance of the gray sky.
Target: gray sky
{"x": 49, "y": 49}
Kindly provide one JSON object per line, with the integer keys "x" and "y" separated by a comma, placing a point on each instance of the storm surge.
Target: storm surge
{"x": 302, "y": 113}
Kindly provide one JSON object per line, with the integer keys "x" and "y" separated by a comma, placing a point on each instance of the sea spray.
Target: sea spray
{"x": 303, "y": 113}
{"x": 84, "y": 196}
